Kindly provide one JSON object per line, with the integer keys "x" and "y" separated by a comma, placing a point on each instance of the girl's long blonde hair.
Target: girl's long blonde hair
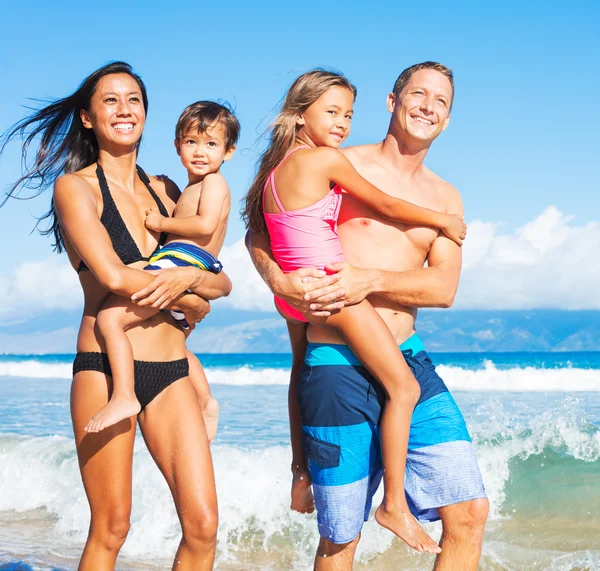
{"x": 305, "y": 90}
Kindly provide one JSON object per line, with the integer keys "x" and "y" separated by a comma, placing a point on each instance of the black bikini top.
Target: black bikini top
{"x": 122, "y": 241}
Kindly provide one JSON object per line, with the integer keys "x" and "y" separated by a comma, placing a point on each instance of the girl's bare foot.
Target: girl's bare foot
{"x": 117, "y": 409}
{"x": 210, "y": 412}
{"x": 407, "y": 528}
{"x": 302, "y": 495}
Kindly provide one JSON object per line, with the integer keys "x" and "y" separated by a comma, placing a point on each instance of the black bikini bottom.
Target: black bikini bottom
{"x": 150, "y": 377}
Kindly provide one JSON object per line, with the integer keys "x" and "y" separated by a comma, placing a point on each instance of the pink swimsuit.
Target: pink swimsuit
{"x": 305, "y": 238}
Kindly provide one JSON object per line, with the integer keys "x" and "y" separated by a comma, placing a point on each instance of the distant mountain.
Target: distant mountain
{"x": 226, "y": 331}
{"x": 441, "y": 331}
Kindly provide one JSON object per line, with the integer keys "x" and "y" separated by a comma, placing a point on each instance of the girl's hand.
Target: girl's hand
{"x": 154, "y": 219}
{"x": 167, "y": 286}
{"x": 455, "y": 228}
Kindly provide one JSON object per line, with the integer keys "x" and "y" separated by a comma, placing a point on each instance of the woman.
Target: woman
{"x": 97, "y": 214}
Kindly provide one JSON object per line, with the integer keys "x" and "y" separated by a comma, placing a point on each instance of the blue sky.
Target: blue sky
{"x": 523, "y": 135}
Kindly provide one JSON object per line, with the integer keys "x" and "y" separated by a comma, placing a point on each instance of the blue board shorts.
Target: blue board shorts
{"x": 341, "y": 404}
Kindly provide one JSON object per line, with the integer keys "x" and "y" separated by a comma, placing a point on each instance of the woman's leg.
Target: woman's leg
{"x": 208, "y": 404}
{"x": 302, "y": 496}
{"x": 105, "y": 464}
{"x": 371, "y": 341}
{"x": 116, "y": 316}
{"x": 174, "y": 431}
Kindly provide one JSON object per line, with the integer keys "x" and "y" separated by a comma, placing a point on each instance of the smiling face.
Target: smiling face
{"x": 203, "y": 153}
{"x": 116, "y": 111}
{"x": 327, "y": 121}
{"x": 422, "y": 108}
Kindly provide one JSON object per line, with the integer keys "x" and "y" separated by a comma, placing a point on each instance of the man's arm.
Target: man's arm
{"x": 294, "y": 286}
{"x": 432, "y": 286}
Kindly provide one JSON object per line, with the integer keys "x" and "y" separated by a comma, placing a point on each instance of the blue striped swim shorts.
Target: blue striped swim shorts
{"x": 176, "y": 254}
{"x": 341, "y": 404}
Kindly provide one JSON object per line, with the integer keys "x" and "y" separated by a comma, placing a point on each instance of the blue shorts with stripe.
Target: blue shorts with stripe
{"x": 176, "y": 254}
{"x": 341, "y": 404}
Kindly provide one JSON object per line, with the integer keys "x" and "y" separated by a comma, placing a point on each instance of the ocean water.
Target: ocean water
{"x": 534, "y": 419}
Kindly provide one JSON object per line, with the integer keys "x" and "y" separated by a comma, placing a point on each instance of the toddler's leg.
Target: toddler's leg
{"x": 302, "y": 496}
{"x": 371, "y": 341}
{"x": 116, "y": 316}
{"x": 208, "y": 404}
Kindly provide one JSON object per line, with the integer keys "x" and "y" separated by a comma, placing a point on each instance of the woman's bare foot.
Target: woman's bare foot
{"x": 407, "y": 528}
{"x": 302, "y": 495}
{"x": 117, "y": 409}
{"x": 210, "y": 412}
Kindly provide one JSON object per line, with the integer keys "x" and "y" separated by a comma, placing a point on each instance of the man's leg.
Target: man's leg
{"x": 334, "y": 556}
{"x": 462, "y": 535}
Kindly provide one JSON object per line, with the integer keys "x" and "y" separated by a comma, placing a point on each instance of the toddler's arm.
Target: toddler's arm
{"x": 339, "y": 170}
{"x": 210, "y": 209}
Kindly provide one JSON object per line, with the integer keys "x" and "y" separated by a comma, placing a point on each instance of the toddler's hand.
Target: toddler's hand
{"x": 455, "y": 228}
{"x": 154, "y": 220}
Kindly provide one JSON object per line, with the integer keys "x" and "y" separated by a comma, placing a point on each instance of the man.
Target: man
{"x": 335, "y": 393}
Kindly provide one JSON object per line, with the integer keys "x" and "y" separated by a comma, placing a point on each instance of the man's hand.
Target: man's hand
{"x": 298, "y": 286}
{"x": 168, "y": 285}
{"x": 154, "y": 219}
{"x": 353, "y": 286}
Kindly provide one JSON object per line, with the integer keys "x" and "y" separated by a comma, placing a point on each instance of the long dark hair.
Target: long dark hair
{"x": 305, "y": 90}
{"x": 65, "y": 145}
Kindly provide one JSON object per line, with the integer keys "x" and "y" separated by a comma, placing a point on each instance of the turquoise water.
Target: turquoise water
{"x": 534, "y": 419}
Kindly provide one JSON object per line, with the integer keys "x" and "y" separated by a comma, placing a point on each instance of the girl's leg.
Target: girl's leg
{"x": 208, "y": 404}
{"x": 173, "y": 428}
{"x": 371, "y": 341}
{"x": 105, "y": 464}
{"x": 302, "y": 496}
{"x": 116, "y": 316}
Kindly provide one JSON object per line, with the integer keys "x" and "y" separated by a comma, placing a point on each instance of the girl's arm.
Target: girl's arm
{"x": 338, "y": 169}
{"x": 214, "y": 194}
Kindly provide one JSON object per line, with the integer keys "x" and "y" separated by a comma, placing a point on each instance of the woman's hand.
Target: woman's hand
{"x": 154, "y": 219}
{"x": 168, "y": 285}
{"x": 455, "y": 228}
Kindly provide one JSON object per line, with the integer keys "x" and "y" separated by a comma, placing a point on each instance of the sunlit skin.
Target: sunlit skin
{"x": 386, "y": 262}
{"x": 302, "y": 179}
{"x": 203, "y": 153}
{"x": 326, "y": 123}
{"x": 422, "y": 110}
{"x": 116, "y": 113}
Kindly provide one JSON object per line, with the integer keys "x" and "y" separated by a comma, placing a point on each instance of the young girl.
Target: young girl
{"x": 296, "y": 196}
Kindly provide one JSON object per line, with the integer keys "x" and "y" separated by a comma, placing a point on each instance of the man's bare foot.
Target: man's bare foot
{"x": 117, "y": 409}
{"x": 302, "y": 495}
{"x": 210, "y": 412}
{"x": 407, "y": 528}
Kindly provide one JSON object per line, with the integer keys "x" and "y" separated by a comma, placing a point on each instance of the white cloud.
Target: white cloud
{"x": 548, "y": 263}
{"x": 49, "y": 284}
{"x": 249, "y": 290}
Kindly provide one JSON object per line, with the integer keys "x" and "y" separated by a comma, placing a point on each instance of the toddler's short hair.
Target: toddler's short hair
{"x": 204, "y": 114}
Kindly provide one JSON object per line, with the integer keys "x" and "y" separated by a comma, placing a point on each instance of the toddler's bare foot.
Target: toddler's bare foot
{"x": 302, "y": 495}
{"x": 210, "y": 412}
{"x": 407, "y": 528}
{"x": 117, "y": 409}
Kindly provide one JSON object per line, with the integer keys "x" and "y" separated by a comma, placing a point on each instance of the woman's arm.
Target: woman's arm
{"x": 169, "y": 286}
{"x": 77, "y": 211}
{"x": 339, "y": 169}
